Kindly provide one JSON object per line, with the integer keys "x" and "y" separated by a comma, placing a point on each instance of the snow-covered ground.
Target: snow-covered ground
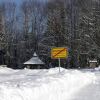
{"x": 91, "y": 91}
{"x": 42, "y": 84}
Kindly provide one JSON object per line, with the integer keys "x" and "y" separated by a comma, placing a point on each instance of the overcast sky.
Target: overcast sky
{"x": 17, "y": 1}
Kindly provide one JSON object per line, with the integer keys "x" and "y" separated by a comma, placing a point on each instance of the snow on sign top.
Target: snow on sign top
{"x": 34, "y": 60}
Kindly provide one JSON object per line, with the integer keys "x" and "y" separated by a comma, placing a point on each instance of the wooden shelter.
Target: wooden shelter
{"x": 34, "y": 62}
{"x": 93, "y": 63}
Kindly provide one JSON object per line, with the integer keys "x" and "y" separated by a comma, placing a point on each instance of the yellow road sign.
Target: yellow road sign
{"x": 59, "y": 52}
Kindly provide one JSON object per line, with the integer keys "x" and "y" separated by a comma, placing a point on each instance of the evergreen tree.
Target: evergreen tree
{"x": 56, "y": 22}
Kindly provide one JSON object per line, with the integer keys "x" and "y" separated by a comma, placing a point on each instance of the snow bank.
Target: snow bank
{"x": 97, "y": 68}
{"x": 42, "y": 84}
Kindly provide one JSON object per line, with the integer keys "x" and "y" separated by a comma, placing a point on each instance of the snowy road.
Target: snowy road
{"x": 90, "y": 92}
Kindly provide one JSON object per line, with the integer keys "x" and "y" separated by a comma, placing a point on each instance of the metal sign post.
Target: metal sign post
{"x": 59, "y": 53}
{"x": 59, "y": 64}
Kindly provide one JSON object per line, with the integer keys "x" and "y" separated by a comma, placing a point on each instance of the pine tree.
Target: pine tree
{"x": 2, "y": 32}
{"x": 56, "y": 22}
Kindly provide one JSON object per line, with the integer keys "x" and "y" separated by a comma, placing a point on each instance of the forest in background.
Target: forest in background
{"x": 36, "y": 26}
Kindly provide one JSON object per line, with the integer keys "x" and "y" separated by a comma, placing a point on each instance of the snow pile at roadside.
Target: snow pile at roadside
{"x": 97, "y": 68}
{"x": 44, "y": 84}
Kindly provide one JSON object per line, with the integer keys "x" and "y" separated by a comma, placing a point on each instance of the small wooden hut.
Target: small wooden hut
{"x": 93, "y": 63}
{"x": 34, "y": 63}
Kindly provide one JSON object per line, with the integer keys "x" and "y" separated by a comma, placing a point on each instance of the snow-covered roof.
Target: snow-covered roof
{"x": 35, "y": 55}
{"x": 34, "y": 60}
{"x": 92, "y": 60}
